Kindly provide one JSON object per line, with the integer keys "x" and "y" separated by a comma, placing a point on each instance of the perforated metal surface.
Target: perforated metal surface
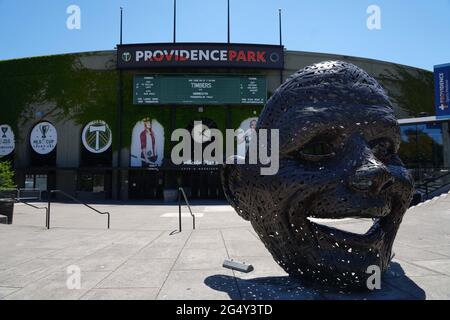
{"x": 338, "y": 109}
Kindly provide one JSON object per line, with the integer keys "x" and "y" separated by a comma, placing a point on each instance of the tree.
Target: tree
{"x": 6, "y": 176}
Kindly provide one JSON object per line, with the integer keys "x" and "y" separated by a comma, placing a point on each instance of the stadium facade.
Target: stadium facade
{"x": 98, "y": 125}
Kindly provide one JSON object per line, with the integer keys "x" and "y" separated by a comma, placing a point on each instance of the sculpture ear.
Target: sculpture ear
{"x": 228, "y": 175}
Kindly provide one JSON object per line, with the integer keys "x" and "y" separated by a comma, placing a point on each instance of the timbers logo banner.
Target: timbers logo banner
{"x": 97, "y": 136}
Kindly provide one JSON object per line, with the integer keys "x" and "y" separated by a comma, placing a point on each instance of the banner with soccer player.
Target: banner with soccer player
{"x": 244, "y": 135}
{"x": 147, "y": 144}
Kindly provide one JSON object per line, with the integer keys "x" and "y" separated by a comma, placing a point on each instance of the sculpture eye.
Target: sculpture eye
{"x": 317, "y": 151}
{"x": 383, "y": 149}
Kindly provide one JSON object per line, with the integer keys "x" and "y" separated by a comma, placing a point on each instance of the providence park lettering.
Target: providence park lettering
{"x": 201, "y": 55}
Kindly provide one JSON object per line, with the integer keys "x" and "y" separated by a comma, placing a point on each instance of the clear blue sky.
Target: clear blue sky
{"x": 414, "y": 32}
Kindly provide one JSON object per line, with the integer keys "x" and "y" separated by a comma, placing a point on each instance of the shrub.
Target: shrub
{"x": 6, "y": 176}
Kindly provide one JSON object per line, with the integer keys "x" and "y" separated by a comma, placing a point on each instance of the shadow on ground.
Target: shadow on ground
{"x": 287, "y": 288}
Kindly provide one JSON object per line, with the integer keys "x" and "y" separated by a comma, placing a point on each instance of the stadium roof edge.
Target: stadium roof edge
{"x": 328, "y": 56}
{"x": 340, "y": 56}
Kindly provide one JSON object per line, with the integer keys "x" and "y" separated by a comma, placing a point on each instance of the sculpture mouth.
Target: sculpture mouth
{"x": 343, "y": 233}
{"x": 354, "y": 226}
{"x": 343, "y": 222}
{"x": 362, "y": 229}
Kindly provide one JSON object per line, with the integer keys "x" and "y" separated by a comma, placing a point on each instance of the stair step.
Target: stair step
{"x": 3, "y": 219}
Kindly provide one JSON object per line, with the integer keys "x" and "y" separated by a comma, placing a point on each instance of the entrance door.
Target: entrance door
{"x": 40, "y": 182}
{"x": 145, "y": 184}
{"x": 204, "y": 184}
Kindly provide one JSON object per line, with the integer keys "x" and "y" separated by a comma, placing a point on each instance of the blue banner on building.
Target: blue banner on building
{"x": 442, "y": 90}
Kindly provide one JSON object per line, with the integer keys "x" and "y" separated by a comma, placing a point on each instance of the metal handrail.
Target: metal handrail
{"x": 75, "y": 200}
{"x": 37, "y": 208}
{"x": 182, "y": 193}
{"x": 18, "y": 193}
{"x": 20, "y": 190}
{"x": 431, "y": 180}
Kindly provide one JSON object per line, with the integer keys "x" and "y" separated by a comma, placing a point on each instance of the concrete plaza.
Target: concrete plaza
{"x": 138, "y": 258}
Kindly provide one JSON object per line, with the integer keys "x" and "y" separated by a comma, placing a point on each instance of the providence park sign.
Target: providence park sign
{"x": 137, "y": 56}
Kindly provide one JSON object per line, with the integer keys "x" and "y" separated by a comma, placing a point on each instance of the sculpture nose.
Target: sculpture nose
{"x": 372, "y": 177}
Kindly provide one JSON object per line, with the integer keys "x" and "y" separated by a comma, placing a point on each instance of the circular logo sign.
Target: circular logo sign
{"x": 7, "y": 143}
{"x": 274, "y": 57}
{"x": 126, "y": 56}
{"x": 44, "y": 138}
{"x": 201, "y": 133}
{"x": 97, "y": 136}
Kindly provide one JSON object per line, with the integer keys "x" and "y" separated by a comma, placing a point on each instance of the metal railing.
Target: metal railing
{"x": 8, "y": 194}
{"x": 422, "y": 174}
{"x": 428, "y": 187}
{"x": 75, "y": 200}
{"x": 22, "y": 191}
{"x": 180, "y": 194}
{"x": 47, "y": 215}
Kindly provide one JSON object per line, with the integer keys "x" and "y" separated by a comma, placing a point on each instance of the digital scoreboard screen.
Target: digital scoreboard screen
{"x": 199, "y": 90}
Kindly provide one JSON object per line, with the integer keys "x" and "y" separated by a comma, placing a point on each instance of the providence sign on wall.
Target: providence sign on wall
{"x": 442, "y": 90}
{"x": 135, "y": 56}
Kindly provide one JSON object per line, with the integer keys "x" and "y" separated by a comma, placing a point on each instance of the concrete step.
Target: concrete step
{"x": 433, "y": 201}
{"x": 3, "y": 219}
{"x": 437, "y": 193}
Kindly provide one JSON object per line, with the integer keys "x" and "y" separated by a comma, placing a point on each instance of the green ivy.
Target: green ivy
{"x": 416, "y": 92}
{"x": 83, "y": 95}
{"x": 6, "y": 176}
{"x": 79, "y": 94}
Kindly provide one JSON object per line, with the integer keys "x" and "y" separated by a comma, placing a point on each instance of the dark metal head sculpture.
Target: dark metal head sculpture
{"x": 338, "y": 159}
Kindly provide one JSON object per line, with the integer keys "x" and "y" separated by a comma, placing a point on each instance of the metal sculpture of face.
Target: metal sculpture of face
{"x": 338, "y": 159}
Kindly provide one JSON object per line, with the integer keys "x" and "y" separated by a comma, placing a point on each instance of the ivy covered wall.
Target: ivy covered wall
{"x": 81, "y": 92}
{"x": 412, "y": 90}
{"x": 78, "y": 94}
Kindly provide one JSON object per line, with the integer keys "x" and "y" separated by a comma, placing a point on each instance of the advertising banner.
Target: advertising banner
{"x": 147, "y": 144}
{"x": 245, "y": 133}
{"x": 442, "y": 90}
{"x": 135, "y": 56}
{"x": 43, "y": 138}
{"x": 7, "y": 142}
{"x": 97, "y": 136}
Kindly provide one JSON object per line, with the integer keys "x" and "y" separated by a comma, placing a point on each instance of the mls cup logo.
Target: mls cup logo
{"x": 97, "y": 137}
{"x": 43, "y": 138}
{"x": 44, "y": 130}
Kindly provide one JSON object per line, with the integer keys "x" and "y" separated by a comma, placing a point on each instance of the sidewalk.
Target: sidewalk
{"x": 139, "y": 259}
